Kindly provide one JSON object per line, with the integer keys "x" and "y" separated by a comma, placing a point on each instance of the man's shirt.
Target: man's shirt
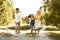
{"x": 17, "y": 17}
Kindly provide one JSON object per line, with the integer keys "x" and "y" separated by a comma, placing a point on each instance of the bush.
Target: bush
{"x": 21, "y": 28}
{"x": 3, "y": 28}
{"x": 51, "y": 29}
{"x": 55, "y": 36}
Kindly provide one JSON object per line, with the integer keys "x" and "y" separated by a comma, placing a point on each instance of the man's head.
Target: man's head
{"x": 17, "y": 10}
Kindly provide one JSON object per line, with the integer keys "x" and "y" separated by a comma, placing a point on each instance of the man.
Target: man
{"x": 37, "y": 20}
{"x": 17, "y": 21}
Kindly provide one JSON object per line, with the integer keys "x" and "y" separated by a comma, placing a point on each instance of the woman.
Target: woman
{"x": 37, "y": 20}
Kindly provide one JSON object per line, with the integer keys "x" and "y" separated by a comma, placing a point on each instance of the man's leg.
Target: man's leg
{"x": 19, "y": 27}
{"x": 16, "y": 28}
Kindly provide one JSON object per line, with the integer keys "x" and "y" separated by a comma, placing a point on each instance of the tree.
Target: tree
{"x": 6, "y": 12}
{"x": 53, "y": 15}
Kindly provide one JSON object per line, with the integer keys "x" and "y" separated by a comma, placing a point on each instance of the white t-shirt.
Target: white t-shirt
{"x": 17, "y": 17}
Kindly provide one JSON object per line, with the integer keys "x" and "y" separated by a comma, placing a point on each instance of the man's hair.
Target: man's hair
{"x": 17, "y": 8}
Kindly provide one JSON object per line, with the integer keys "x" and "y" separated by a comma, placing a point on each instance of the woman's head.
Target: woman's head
{"x": 38, "y": 12}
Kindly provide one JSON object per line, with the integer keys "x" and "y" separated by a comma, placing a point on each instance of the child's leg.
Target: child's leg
{"x": 31, "y": 29}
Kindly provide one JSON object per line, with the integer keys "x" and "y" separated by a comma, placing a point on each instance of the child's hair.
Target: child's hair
{"x": 32, "y": 15}
{"x": 17, "y": 8}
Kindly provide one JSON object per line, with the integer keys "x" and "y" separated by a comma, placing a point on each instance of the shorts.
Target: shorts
{"x": 32, "y": 23}
{"x": 17, "y": 24}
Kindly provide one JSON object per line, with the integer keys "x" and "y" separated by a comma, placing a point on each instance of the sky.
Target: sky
{"x": 27, "y": 6}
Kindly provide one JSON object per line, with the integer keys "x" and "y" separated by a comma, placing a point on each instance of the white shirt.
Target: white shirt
{"x": 17, "y": 17}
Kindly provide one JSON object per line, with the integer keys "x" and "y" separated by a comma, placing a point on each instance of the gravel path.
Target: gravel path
{"x": 25, "y": 35}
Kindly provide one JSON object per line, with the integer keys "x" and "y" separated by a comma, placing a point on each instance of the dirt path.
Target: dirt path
{"x": 25, "y": 35}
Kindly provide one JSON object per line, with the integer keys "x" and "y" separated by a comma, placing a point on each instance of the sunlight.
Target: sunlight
{"x": 27, "y": 6}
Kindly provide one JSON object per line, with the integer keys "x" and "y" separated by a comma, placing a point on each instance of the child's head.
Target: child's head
{"x": 32, "y": 15}
{"x": 17, "y": 10}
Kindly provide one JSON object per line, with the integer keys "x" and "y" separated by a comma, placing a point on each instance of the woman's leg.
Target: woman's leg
{"x": 36, "y": 24}
{"x": 35, "y": 30}
{"x": 38, "y": 31}
{"x": 39, "y": 25}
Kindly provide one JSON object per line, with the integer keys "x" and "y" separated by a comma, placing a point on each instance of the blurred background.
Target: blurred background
{"x": 49, "y": 8}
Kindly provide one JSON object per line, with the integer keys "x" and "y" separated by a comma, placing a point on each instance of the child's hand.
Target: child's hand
{"x": 34, "y": 27}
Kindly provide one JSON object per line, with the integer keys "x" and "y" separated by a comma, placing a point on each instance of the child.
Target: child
{"x": 32, "y": 22}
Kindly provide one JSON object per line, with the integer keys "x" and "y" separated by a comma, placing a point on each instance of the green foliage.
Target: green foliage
{"x": 6, "y": 12}
{"x": 26, "y": 27}
{"x": 53, "y": 15}
{"x": 25, "y": 20}
{"x": 52, "y": 29}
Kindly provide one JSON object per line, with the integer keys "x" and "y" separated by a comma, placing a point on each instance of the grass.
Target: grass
{"x": 21, "y": 28}
{"x": 54, "y": 36}
{"x": 3, "y": 28}
{"x": 52, "y": 29}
